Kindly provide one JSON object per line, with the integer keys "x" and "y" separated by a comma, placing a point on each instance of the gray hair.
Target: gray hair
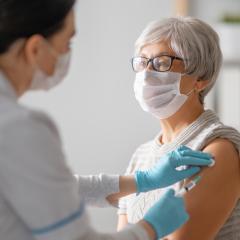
{"x": 192, "y": 40}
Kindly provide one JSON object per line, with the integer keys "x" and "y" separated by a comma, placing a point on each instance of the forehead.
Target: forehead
{"x": 156, "y": 49}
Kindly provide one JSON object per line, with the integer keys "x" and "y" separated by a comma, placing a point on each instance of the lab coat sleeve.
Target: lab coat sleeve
{"x": 96, "y": 188}
{"x": 40, "y": 188}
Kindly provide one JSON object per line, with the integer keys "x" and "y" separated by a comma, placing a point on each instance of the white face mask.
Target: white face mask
{"x": 41, "y": 81}
{"x": 159, "y": 92}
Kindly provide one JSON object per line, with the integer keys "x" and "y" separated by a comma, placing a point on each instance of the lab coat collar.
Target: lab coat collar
{"x": 6, "y": 88}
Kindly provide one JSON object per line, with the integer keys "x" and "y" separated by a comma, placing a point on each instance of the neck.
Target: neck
{"x": 18, "y": 85}
{"x": 172, "y": 126}
{"x": 16, "y": 77}
{"x": 15, "y": 68}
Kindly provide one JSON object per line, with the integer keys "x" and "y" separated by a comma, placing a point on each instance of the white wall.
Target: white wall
{"x": 100, "y": 121}
{"x": 226, "y": 98}
{"x": 213, "y": 10}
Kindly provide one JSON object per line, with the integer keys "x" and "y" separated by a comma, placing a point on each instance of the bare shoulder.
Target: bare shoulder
{"x": 212, "y": 201}
{"x": 221, "y": 148}
{"x": 227, "y": 160}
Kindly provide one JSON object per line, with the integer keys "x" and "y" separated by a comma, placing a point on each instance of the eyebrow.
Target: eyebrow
{"x": 157, "y": 55}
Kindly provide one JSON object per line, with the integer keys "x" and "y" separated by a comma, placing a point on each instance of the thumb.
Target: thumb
{"x": 188, "y": 172}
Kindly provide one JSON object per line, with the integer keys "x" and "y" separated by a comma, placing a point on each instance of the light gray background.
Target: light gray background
{"x": 99, "y": 118}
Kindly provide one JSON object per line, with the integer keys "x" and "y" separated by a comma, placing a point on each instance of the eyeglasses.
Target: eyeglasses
{"x": 161, "y": 63}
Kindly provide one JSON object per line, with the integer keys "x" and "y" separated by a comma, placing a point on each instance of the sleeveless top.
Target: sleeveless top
{"x": 197, "y": 135}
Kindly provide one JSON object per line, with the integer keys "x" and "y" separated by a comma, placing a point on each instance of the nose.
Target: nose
{"x": 149, "y": 65}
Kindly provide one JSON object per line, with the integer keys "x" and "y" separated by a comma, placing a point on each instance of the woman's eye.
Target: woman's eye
{"x": 142, "y": 63}
{"x": 161, "y": 64}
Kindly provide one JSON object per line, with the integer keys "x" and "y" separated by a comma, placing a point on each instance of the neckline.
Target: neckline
{"x": 205, "y": 116}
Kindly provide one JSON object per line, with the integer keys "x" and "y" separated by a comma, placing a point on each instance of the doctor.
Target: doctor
{"x": 39, "y": 196}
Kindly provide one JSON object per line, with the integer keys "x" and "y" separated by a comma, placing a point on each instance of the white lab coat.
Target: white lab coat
{"x": 39, "y": 196}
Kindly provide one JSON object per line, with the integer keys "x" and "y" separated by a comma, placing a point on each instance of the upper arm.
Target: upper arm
{"x": 211, "y": 202}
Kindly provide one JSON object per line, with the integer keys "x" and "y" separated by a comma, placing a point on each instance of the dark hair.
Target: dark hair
{"x": 24, "y": 18}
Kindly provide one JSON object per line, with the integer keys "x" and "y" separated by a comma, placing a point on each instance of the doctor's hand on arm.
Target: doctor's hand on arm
{"x": 164, "y": 173}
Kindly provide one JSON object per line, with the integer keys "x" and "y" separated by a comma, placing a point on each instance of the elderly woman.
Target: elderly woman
{"x": 177, "y": 63}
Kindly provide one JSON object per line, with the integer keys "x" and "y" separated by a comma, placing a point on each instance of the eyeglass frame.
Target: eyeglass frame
{"x": 151, "y": 60}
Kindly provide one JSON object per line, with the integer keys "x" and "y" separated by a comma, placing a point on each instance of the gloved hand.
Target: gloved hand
{"x": 164, "y": 173}
{"x": 167, "y": 215}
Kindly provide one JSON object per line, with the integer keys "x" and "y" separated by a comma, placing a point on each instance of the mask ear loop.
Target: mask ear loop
{"x": 191, "y": 91}
{"x": 54, "y": 52}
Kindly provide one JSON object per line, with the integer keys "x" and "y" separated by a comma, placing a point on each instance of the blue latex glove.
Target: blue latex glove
{"x": 167, "y": 214}
{"x": 164, "y": 173}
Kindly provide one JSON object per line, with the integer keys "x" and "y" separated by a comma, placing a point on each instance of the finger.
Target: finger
{"x": 188, "y": 172}
{"x": 194, "y": 161}
{"x": 198, "y": 154}
{"x": 183, "y": 148}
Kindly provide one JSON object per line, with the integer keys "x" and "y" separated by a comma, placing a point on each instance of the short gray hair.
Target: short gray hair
{"x": 192, "y": 40}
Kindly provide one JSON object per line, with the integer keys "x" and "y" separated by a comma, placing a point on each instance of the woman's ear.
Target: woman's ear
{"x": 201, "y": 85}
{"x": 33, "y": 49}
{"x": 37, "y": 53}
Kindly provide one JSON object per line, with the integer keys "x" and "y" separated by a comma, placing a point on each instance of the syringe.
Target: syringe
{"x": 188, "y": 187}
